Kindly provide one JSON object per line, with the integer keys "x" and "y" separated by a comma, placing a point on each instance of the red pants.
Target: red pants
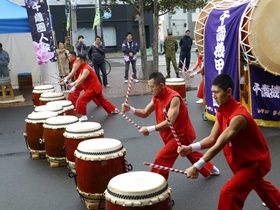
{"x": 73, "y": 97}
{"x": 90, "y": 95}
{"x": 234, "y": 193}
{"x": 168, "y": 155}
{"x": 200, "y": 92}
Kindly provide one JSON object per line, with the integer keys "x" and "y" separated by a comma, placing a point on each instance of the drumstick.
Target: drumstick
{"x": 128, "y": 119}
{"x": 52, "y": 83}
{"x": 171, "y": 127}
{"x": 63, "y": 91}
{"x": 54, "y": 77}
{"x": 129, "y": 88}
{"x": 165, "y": 168}
{"x": 184, "y": 67}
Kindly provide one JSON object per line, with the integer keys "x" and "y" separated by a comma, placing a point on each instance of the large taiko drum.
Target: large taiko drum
{"x": 262, "y": 16}
{"x": 138, "y": 190}
{"x": 76, "y": 133}
{"x": 97, "y": 161}
{"x": 52, "y": 96}
{"x": 177, "y": 84}
{"x": 34, "y": 130}
{"x": 67, "y": 106}
{"x": 50, "y": 108}
{"x": 38, "y": 90}
{"x": 53, "y": 136}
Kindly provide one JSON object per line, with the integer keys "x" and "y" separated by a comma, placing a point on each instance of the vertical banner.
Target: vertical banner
{"x": 41, "y": 30}
{"x": 265, "y": 96}
{"x": 221, "y": 50}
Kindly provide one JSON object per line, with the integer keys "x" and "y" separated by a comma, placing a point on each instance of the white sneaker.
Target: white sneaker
{"x": 200, "y": 101}
{"x": 215, "y": 171}
{"x": 126, "y": 81}
{"x": 136, "y": 80}
{"x": 83, "y": 118}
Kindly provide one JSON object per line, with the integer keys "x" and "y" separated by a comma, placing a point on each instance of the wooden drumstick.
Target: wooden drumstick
{"x": 52, "y": 83}
{"x": 184, "y": 67}
{"x": 54, "y": 77}
{"x": 164, "y": 168}
{"x": 171, "y": 127}
{"x": 129, "y": 88}
{"x": 127, "y": 119}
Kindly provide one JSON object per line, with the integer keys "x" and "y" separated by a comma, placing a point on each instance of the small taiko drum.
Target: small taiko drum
{"x": 138, "y": 190}
{"x": 38, "y": 90}
{"x": 76, "y": 133}
{"x": 97, "y": 162}
{"x": 53, "y": 96}
{"x": 66, "y": 105}
{"x": 34, "y": 130}
{"x": 177, "y": 84}
{"x": 53, "y": 136}
{"x": 50, "y": 108}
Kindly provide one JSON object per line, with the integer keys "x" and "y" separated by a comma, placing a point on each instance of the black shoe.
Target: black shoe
{"x": 167, "y": 76}
{"x": 177, "y": 75}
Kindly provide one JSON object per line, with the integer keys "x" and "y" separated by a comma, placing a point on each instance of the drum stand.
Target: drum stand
{"x": 56, "y": 162}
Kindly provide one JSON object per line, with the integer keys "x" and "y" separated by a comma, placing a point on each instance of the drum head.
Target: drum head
{"x": 60, "y": 122}
{"x": 83, "y": 130}
{"x": 265, "y": 38}
{"x": 43, "y": 88}
{"x": 39, "y": 117}
{"x": 139, "y": 188}
{"x": 99, "y": 149}
{"x": 51, "y": 95}
{"x": 52, "y": 108}
{"x": 66, "y": 104}
{"x": 175, "y": 81}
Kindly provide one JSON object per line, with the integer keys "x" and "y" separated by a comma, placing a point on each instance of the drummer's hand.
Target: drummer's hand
{"x": 144, "y": 131}
{"x": 125, "y": 107}
{"x": 189, "y": 71}
{"x": 184, "y": 150}
{"x": 192, "y": 172}
{"x": 191, "y": 76}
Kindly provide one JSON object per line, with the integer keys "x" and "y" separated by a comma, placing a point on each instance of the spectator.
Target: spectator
{"x": 4, "y": 62}
{"x": 185, "y": 53}
{"x": 81, "y": 48}
{"x": 170, "y": 48}
{"x": 67, "y": 45}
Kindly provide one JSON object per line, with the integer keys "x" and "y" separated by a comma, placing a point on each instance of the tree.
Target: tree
{"x": 163, "y": 7}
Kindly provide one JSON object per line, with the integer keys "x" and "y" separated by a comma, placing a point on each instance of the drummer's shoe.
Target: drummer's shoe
{"x": 215, "y": 171}
{"x": 83, "y": 118}
{"x": 115, "y": 111}
{"x": 200, "y": 101}
{"x": 168, "y": 75}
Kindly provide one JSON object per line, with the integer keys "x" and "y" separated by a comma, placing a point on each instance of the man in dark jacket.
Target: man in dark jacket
{"x": 130, "y": 48}
{"x": 96, "y": 54}
{"x": 185, "y": 53}
{"x": 80, "y": 45}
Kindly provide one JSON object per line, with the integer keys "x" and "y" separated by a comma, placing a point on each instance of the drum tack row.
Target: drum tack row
{"x": 97, "y": 164}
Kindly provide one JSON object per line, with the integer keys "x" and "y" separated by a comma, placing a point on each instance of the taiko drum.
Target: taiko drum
{"x": 51, "y": 96}
{"x": 177, "y": 84}
{"x": 38, "y": 90}
{"x": 66, "y": 105}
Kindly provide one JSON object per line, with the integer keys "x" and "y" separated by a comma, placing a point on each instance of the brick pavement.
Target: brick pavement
{"x": 117, "y": 86}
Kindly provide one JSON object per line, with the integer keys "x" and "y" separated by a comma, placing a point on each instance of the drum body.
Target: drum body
{"x": 97, "y": 161}
{"x": 34, "y": 129}
{"x": 66, "y": 105}
{"x": 138, "y": 190}
{"x": 76, "y": 133}
{"x": 52, "y": 96}
{"x": 53, "y": 135}
{"x": 177, "y": 84}
{"x": 50, "y": 108}
{"x": 38, "y": 90}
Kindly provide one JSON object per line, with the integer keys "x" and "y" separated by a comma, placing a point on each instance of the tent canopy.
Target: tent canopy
{"x": 13, "y": 18}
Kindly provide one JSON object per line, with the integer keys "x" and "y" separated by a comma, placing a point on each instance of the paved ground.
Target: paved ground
{"x": 33, "y": 185}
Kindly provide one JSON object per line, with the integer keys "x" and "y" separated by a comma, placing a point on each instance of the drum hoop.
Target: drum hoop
{"x": 52, "y": 98}
{"x": 100, "y": 153}
{"x": 138, "y": 197}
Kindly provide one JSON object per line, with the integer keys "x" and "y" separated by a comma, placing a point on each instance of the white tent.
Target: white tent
{"x": 16, "y": 39}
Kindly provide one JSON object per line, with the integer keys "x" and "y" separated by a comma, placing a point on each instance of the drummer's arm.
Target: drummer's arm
{"x": 143, "y": 113}
{"x": 73, "y": 70}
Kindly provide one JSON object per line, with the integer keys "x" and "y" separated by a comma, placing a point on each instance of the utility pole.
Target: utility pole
{"x": 99, "y": 27}
{"x": 73, "y": 18}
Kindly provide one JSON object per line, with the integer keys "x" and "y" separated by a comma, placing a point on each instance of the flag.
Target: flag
{"x": 68, "y": 22}
{"x": 96, "y": 19}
